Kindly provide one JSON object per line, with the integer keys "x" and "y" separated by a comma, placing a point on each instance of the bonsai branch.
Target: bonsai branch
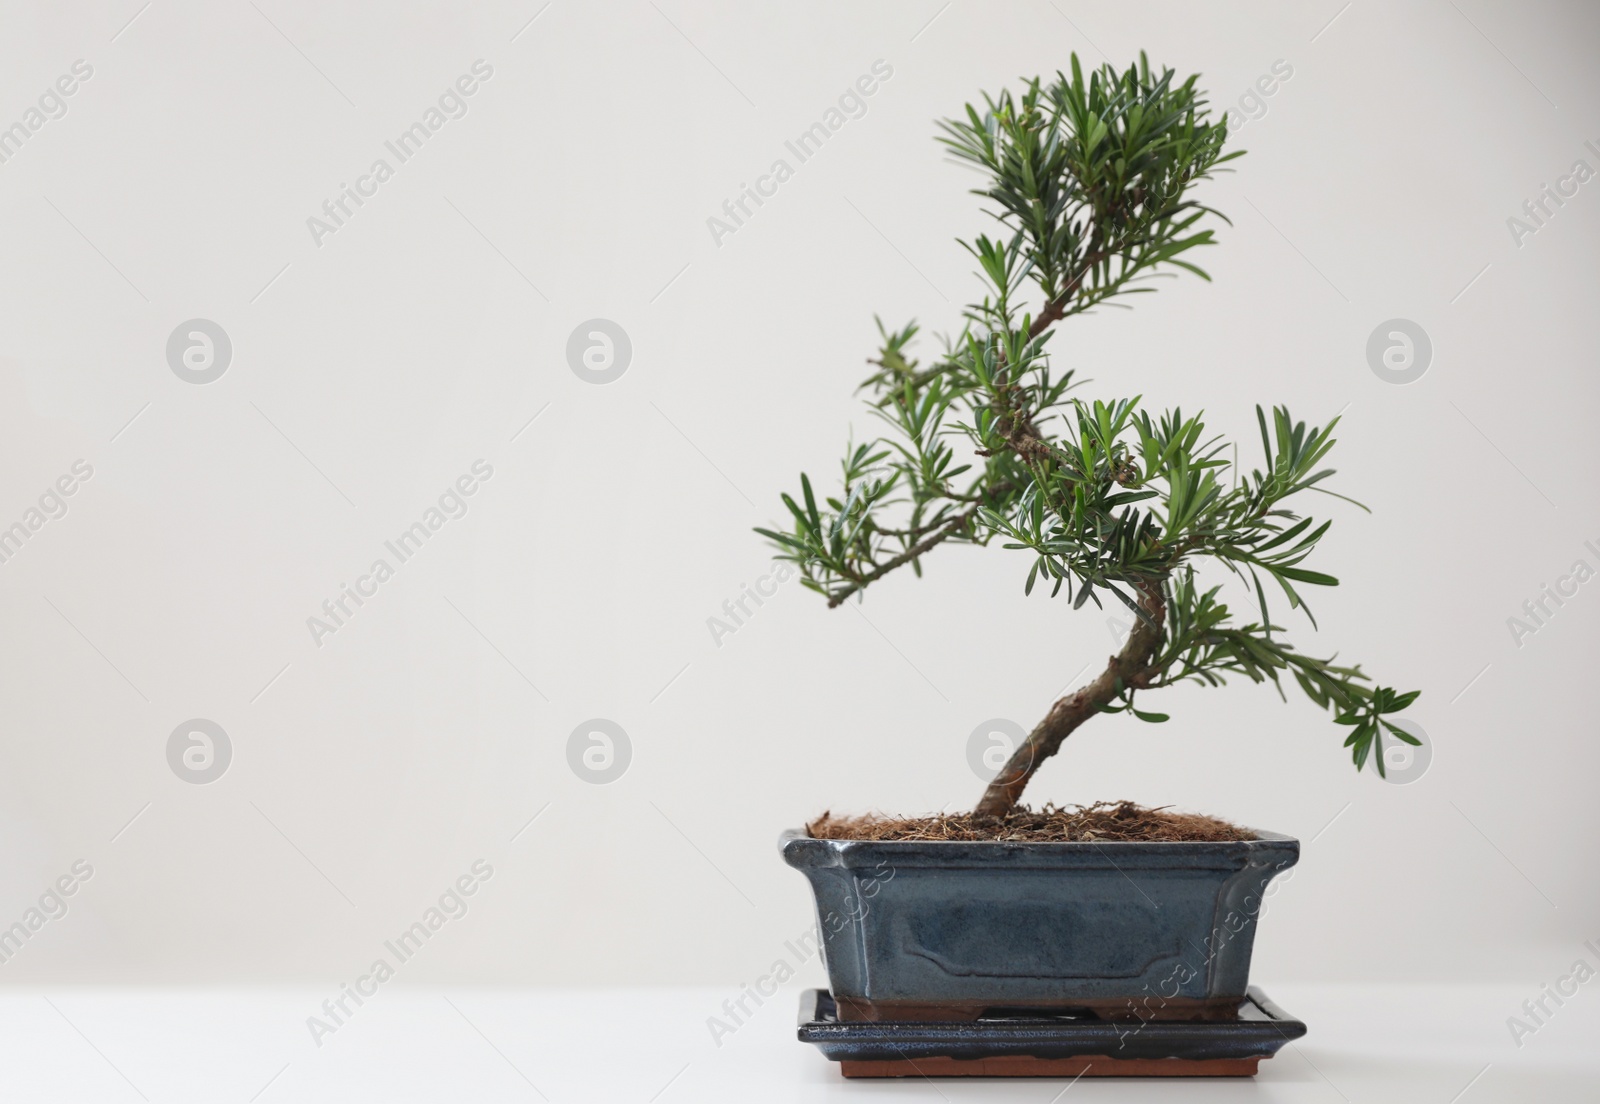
{"x": 1131, "y": 668}
{"x": 948, "y": 529}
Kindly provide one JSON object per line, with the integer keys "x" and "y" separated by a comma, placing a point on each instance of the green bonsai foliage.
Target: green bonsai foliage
{"x": 1090, "y": 179}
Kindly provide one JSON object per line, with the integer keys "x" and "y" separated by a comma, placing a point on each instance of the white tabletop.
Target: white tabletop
{"x": 1410, "y": 1044}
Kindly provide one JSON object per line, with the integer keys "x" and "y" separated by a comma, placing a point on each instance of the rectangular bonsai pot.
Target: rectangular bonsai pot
{"x": 947, "y": 930}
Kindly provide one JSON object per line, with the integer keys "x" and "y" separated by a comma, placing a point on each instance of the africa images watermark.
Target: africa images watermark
{"x": 199, "y": 751}
{"x": 851, "y": 104}
{"x": 451, "y": 104}
{"x": 765, "y": 587}
{"x": 199, "y": 351}
{"x": 599, "y": 751}
{"x": 737, "y": 1011}
{"x": 52, "y": 504}
{"x": 1539, "y": 210}
{"x": 451, "y": 905}
{"x": 52, "y": 104}
{"x": 1234, "y": 923}
{"x": 52, "y": 906}
{"x": 1252, "y": 103}
{"x": 1536, "y": 1011}
{"x": 452, "y": 504}
{"x": 1537, "y": 610}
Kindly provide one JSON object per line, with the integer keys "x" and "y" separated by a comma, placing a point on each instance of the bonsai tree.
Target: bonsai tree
{"x": 1090, "y": 181}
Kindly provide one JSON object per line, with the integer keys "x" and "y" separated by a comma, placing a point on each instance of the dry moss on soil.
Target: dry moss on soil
{"x": 1111, "y": 821}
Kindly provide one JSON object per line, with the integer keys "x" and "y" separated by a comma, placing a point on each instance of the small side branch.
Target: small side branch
{"x": 948, "y": 529}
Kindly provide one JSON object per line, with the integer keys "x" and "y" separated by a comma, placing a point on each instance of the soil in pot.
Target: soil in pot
{"x": 1104, "y": 821}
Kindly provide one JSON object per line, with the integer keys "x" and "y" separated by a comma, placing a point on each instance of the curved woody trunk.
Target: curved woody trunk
{"x": 1129, "y": 667}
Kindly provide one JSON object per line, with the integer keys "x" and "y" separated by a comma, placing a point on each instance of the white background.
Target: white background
{"x": 371, "y": 370}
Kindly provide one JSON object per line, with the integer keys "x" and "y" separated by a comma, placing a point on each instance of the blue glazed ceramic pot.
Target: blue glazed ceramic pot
{"x": 949, "y": 930}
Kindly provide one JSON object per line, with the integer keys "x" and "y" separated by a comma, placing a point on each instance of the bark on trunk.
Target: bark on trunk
{"x": 1129, "y": 667}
